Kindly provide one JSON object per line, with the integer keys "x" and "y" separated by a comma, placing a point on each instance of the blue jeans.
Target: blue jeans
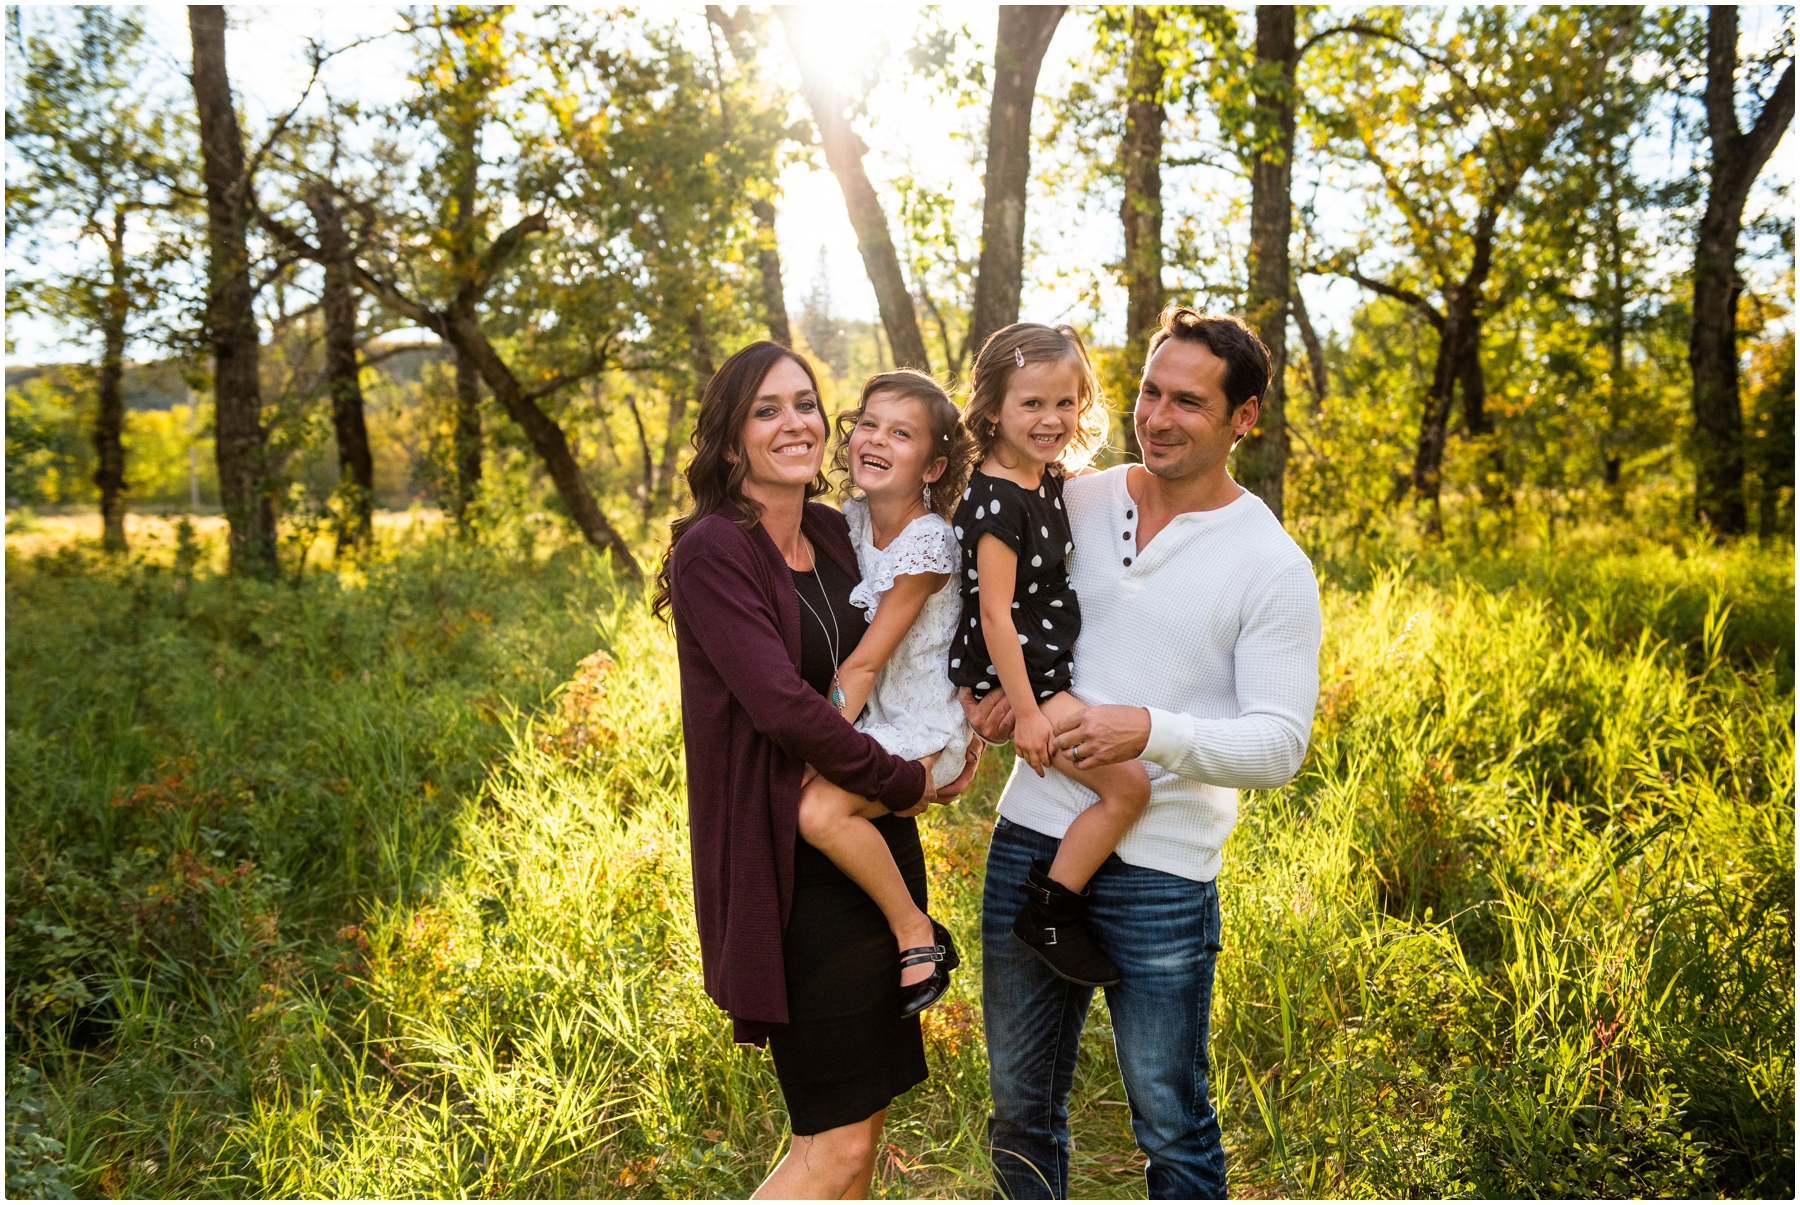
{"x": 1163, "y": 932}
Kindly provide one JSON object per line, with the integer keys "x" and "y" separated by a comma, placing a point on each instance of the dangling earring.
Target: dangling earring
{"x": 928, "y": 495}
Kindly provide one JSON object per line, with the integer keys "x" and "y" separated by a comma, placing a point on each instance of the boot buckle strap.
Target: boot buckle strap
{"x": 1051, "y": 930}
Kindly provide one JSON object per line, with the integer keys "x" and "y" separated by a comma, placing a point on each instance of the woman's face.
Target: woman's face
{"x": 890, "y": 448}
{"x": 783, "y": 439}
{"x": 1041, "y": 411}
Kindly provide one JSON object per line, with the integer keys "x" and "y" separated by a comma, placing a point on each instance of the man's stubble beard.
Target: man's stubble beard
{"x": 1195, "y": 464}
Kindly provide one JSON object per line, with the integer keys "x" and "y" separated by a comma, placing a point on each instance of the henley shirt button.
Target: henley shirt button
{"x": 1128, "y": 562}
{"x": 1126, "y": 536}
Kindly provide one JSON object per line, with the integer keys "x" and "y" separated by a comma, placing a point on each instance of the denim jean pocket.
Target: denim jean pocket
{"x": 1001, "y": 824}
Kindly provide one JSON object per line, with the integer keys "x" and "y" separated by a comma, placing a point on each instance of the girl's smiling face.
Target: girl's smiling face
{"x": 1041, "y": 412}
{"x": 783, "y": 439}
{"x": 890, "y": 447}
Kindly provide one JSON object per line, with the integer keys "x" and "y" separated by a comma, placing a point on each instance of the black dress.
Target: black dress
{"x": 845, "y": 1052}
{"x": 1045, "y": 613}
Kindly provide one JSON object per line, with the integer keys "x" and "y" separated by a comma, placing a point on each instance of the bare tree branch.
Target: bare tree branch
{"x": 284, "y": 234}
{"x": 1384, "y": 289}
{"x": 498, "y": 251}
{"x": 371, "y": 359}
{"x": 596, "y": 364}
{"x": 1373, "y": 31}
{"x": 399, "y": 302}
{"x": 318, "y": 56}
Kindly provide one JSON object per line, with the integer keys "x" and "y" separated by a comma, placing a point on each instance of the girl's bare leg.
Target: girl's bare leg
{"x": 836, "y": 823}
{"x": 1124, "y": 791}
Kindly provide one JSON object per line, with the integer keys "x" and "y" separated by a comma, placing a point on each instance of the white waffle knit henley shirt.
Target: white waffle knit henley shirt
{"x": 1214, "y": 628}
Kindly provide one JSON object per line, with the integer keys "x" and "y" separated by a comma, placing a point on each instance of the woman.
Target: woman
{"x": 758, "y": 580}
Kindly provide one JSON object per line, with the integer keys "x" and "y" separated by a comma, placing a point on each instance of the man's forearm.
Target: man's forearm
{"x": 1251, "y": 752}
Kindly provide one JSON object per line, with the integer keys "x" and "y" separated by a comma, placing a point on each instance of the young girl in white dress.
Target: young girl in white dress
{"x": 907, "y": 456}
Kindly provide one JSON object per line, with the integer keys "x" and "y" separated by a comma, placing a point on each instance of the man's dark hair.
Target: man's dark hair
{"x": 1246, "y": 358}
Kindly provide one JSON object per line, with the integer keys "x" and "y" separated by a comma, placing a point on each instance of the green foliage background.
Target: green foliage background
{"x": 374, "y": 883}
{"x": 371, "y": 880}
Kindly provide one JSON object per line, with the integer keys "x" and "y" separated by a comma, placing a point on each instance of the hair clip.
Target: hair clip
{"x": 1019, "y": 357}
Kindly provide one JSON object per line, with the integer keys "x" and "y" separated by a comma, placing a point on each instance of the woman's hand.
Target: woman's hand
{"x": 956, "y": 786}
{"x": 930, "y": 796}
{"x": 961, "y": 782}
{"x": 992, "y": 718}
{"x": 1034, "y": 739}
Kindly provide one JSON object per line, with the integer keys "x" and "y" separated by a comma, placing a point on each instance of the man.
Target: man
{"x": 1199, "y": 654}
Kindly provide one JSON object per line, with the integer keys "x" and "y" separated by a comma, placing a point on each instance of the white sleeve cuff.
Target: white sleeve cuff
{"x": 1171, "y": 732}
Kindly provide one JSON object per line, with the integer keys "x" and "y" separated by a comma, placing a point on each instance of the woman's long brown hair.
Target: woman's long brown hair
{"x": 713, "y": 477}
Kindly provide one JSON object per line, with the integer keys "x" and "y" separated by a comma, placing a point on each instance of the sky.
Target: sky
{"x": 911, "y": 129}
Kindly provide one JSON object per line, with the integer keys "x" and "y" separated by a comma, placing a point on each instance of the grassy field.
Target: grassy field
{"x": 374, "y": 883}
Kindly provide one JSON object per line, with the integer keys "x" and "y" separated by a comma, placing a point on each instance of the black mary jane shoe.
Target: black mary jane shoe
{"x": 917, "y": 997}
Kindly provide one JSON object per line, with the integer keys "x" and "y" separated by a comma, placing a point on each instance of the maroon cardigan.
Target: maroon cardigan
{"x": 751, "y": 724}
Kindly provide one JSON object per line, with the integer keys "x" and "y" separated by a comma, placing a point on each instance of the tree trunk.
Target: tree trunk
{"x": 701, "y": 359}
{"x": 244, "y": 488}
{"x": 356, "y": 466}
{"x": 547, "y": 439}
{"x": 466, "y": 441}
{"x": 1456, "y": 329}
{"x": 1262, "y": 456}
{"x": 768, "y": 259}
{"x": 109, "y": 419}
{"x": 1141, "y": 212}
{"x": 1613, "y": 463}
{"x": 1024, "y": 35}
{"x": 843, "y": 154}
{"x": 1611, "y": 458}
{"x": 737, "y": 28}
{"x": 1495, "y": 492}
{"x": 461, "y": 329}
{"x": 1737, "y": 159}
{"x": 647, "y": 491}
{"x": 1318, "y": 375}
{"x": 1776, "y": 422}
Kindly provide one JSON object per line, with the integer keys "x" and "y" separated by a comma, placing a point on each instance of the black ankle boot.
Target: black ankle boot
{"x": 1053, "y": 926}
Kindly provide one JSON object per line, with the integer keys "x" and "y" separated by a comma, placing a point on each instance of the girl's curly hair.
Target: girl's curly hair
{"x": 948, "y": 436}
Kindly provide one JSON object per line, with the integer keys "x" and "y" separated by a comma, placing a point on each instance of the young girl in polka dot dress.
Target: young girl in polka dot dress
{"x": 1034, "y": 408}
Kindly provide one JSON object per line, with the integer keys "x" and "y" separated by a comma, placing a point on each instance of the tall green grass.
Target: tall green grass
{"x": 330, "y": 888}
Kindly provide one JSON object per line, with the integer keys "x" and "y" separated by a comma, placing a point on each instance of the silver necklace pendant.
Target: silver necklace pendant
{"x": 837, "y": 693}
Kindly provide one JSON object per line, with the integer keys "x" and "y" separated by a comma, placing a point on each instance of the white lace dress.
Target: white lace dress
{"x": 913, "y": 709}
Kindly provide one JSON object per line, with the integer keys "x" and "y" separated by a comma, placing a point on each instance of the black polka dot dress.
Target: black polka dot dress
{"x": 1045, "y": 613}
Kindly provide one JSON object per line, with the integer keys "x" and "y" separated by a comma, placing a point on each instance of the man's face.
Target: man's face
{"x": 1181, "y": 422}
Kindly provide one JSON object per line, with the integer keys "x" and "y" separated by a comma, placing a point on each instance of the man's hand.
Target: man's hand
{"x": 1104, "y": 735}
{"x": 992, "y": 718}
